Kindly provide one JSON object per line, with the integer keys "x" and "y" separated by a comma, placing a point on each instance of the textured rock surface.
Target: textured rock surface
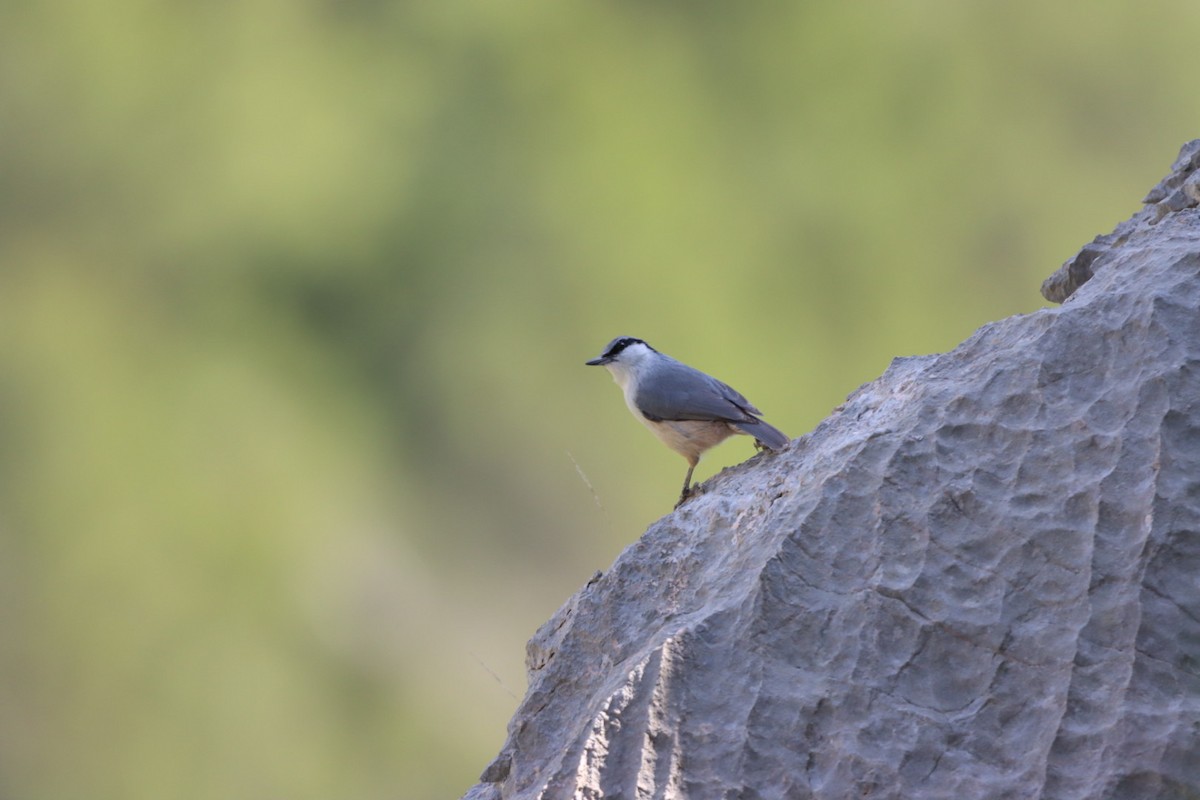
{"x": 1179, "y": 191}
{"x": 980, "y": 577}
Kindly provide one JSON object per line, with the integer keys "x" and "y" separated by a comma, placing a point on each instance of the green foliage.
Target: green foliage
{"x": 296, "y": 442}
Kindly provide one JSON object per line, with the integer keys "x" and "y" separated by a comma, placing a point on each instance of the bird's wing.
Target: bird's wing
{"x": 678, "y": 392}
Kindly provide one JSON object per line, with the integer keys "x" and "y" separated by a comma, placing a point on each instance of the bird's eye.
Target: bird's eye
{"x": 618, "y": 345}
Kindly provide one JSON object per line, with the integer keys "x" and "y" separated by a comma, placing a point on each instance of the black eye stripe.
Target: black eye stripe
{"x": 620, "y": 344}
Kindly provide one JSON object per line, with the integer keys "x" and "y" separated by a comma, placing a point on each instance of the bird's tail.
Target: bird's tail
{"x": 768, "y": 436}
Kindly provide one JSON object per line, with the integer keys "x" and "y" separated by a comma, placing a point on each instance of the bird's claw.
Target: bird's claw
{"x": 684, "y": 496}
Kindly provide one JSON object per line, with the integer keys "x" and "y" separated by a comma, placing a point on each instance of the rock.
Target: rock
{"x": 980, "y": 577}
{"x": 1179, "y": 191}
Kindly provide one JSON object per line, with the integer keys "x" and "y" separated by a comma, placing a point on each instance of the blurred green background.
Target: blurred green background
{"x": 296, "y": 442}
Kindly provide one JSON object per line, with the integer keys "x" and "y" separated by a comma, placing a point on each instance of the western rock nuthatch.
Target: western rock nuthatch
{"x": 688, "y": 410}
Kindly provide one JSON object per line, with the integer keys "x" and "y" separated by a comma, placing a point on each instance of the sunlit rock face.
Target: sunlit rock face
{"x": 979, "y": 577}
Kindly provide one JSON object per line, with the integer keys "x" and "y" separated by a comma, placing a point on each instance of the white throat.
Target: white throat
{"x": 627, "y": 369}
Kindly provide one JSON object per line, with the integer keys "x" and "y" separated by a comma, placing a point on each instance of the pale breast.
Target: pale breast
{"x": 689, "y": 437}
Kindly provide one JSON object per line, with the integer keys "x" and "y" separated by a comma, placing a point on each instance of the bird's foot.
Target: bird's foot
{"x": 687, "y": 494}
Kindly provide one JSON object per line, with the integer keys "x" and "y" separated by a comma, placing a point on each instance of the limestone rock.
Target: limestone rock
{"x": 979, "y": 578}
{"x": 1178, "y": 191}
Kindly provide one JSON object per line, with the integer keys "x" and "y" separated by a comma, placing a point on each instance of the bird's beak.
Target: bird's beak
{"x": 598, "y": 362}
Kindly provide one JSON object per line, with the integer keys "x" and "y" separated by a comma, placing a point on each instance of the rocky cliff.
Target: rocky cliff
{"x": 980, "y": 577}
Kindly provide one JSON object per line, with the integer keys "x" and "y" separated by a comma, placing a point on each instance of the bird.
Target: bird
{"x": 689, "y": 411}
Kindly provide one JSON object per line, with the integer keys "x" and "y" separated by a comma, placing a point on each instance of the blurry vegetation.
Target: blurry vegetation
{"x": 295, "y": 299}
